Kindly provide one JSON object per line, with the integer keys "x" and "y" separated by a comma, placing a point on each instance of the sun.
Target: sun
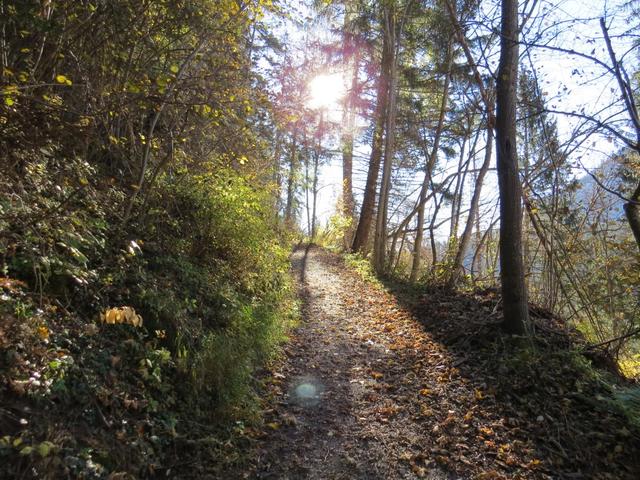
{"x": 326, "y": 91}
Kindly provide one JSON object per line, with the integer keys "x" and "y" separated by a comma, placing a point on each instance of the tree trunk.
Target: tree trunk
{"x": 417, "y": 246}
{"x": 316, "y": 162}
{"x": 456, "y": 201}
{"x": 361, "y": 237}
{"x": 291, "y": 190}
{"x": 351, "y": 57}
{"x": 632, "y": 211}
{"x": 463, "y": 247}
{"x": 380, "y": 238}
{"x": 514, "y": 294}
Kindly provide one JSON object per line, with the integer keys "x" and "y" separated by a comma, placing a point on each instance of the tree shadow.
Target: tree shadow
{"x": 536, "y": 409}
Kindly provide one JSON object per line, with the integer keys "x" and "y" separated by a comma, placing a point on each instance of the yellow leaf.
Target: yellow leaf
{"x": 425, "y": 392}
{"x": 9, "y": 101}
{"x": 61, "y": 79}
{"x": 377, "y": 375}
{"x": 43, "y": 332}
{"x": 273, "y": 425}
{"x": 10, "y": 90}
{"x": 174, "y": 68}
{"x": 121, "y": 315}
{"x": 534, "y": 463}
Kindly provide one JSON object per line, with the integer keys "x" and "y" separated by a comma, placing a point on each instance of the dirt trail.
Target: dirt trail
{"x": 338, "y": 412}
{"x": 370, "y": 390}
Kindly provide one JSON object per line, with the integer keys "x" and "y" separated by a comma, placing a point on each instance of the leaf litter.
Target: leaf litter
{"x": 425, "y": 386}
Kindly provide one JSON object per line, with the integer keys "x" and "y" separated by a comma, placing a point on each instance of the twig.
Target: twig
{"x": 621, "y": 337}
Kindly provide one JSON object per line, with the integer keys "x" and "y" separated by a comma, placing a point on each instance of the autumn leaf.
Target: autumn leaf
{"x": 63, "y": 80}
{"x": 121, "y": 315}
{"x": 43, "y": 332}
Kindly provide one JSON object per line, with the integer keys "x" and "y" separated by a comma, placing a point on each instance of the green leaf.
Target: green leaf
{"x": 44, "y": 449}
{"x": 26, "y": 451}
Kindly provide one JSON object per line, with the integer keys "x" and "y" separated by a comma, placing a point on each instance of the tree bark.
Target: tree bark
{"x": 288, "y": 210}
{"x": 514, "y": 294}
{"x": 361, "y": 237}
{"x": 632, "y": 211}
{"x": 350, "y": 57}
{"x": 463, "y": 247}
{"x": 380, "y": 238}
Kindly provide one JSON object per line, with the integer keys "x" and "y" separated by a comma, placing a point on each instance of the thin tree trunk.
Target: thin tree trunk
{"x": 350, "y": 56}
{"x": 417, "y": 246}
{"x": 380, "y": 238}
{"x": 291, "y": 189}
{"x": 465, "y": 240}
{"x": 316, "y": 161}
{"x": 277, "y": 178}
{"x": 307, "y": 203}
{"x": 432, "y": 238}
{"x": 457, "y": 196}
{"x": 514, "y": 294}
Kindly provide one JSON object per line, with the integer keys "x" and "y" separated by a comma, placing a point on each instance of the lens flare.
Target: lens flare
{"x": 326, "y": 91}
{"x": 306, "y": 391}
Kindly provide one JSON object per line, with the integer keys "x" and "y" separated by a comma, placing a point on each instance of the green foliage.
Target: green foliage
{"x": 332, "y": 236}
{"x": 363, "y": 267}
{"x": 628, "y": 400}
{"x": 133, "y": 146}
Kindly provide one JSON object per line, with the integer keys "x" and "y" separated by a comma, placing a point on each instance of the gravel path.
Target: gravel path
{"x": 338, "y": 409}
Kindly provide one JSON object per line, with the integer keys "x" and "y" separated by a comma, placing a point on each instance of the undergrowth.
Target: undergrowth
{"x": 205, "y": 268}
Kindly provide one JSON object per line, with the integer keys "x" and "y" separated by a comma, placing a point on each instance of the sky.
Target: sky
{"x": 570, "y": 83}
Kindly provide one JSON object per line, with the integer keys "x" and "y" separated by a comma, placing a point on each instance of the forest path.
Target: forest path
{"x": 369, "y": 390}
{"x": 346, "y": 403}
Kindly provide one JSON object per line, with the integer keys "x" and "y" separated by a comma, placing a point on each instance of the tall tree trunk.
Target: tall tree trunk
{"x": 514, "y": 294}
{"x": 417, "y": 246}
{"x": 307, "y": 181}
{"x": 316, "y": 162}
{"x": 350, "y": 57}
{"x": 361, "y": 236}
{"x": 380, "y": 238}
{"x": 456, "y": 201}
{"x": 632, "y": 211}
{"x": 291, "y": 188}
{"x": 432, "y": 237}
{"x": 277, "y": 177}
{"x": 465, "y": 240}
{"x": 632, "y": 207}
